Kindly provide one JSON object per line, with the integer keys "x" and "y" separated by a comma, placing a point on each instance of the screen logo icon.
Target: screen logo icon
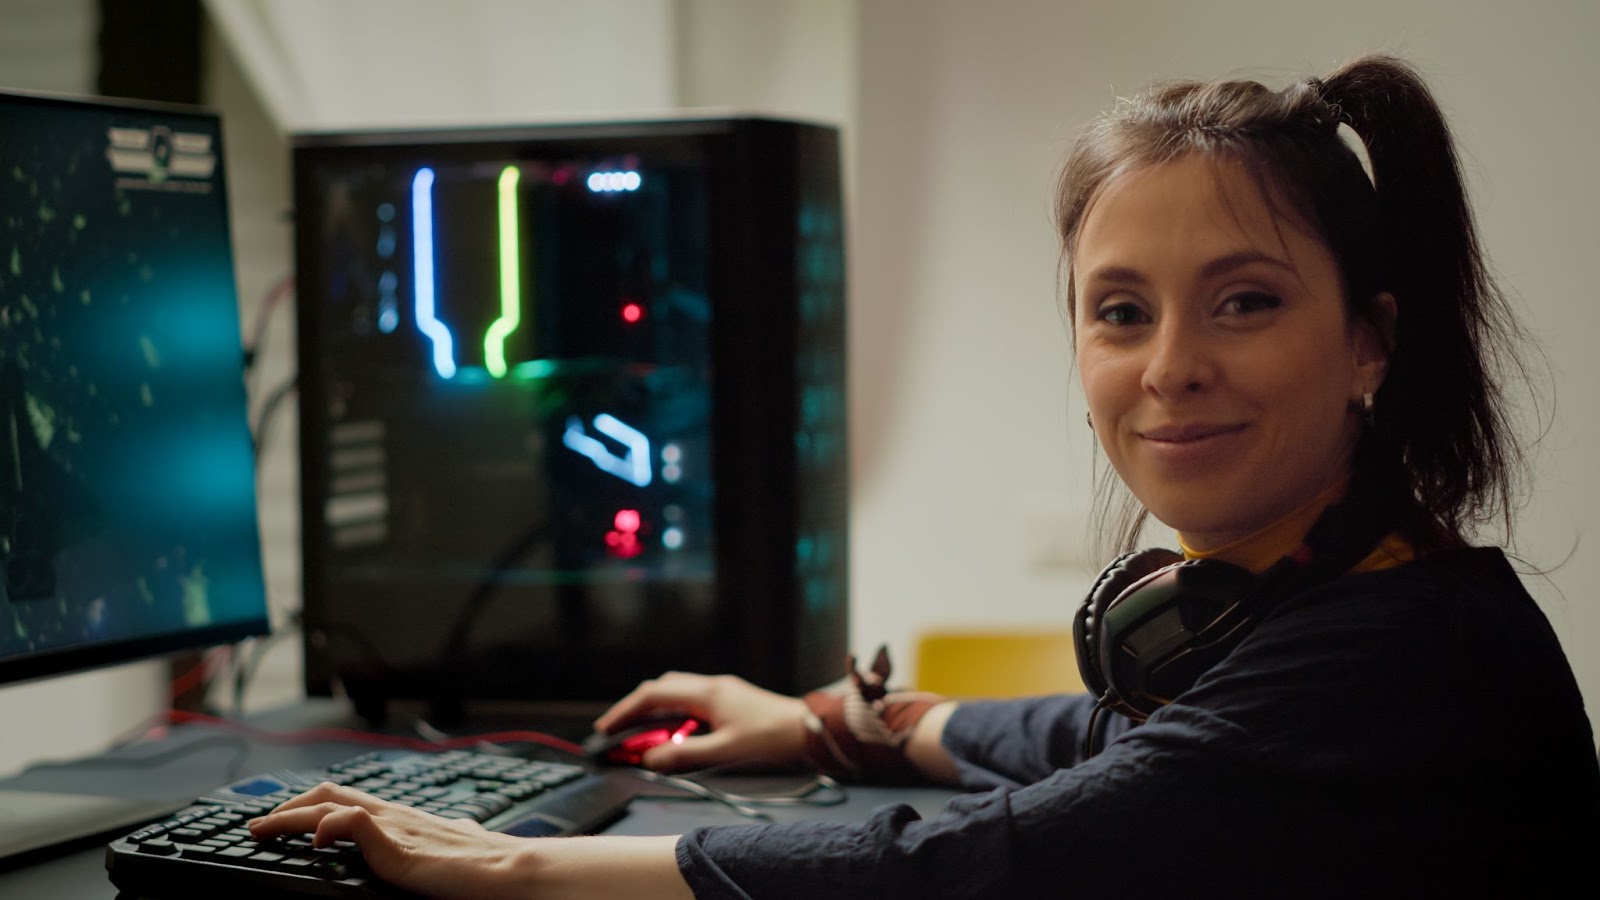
{"x": 157, "y": 156}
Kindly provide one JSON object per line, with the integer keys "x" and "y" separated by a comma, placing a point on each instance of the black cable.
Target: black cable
{"x": 1089, "y": 748}
{"x": 245, "y": 665}
{"x": 280, "y": 290}
{"x": 269, "y": 407}
{"x": 451, "y": 689}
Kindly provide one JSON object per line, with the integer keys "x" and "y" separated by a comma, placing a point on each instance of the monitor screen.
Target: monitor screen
{"x": 127, "y": 481}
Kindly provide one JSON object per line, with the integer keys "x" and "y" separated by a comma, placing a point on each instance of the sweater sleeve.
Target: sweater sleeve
{"x": 1005, "y": 842}
{"x": 1011, "y": 743}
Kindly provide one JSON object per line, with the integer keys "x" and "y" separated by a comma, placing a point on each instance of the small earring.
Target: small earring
{"x": 1088, "y": 419}
{"x": 1365, "y": 408}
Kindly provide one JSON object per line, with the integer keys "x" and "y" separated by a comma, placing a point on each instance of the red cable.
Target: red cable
{"x": 197, "y": 675}
{"x": 279, "y": 290}
{"x": 309, "y": 735}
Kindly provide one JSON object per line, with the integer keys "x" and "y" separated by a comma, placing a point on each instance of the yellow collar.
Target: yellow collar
{"x": 1259, "y": 550}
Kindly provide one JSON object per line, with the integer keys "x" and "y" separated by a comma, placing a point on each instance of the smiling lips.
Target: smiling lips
{"x": 1189, "y": 434}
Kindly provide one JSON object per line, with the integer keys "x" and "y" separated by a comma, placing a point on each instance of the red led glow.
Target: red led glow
{"x": 632, "y": 312}
{"x": 624, "y": 544}
{"x": 624, "y": 540}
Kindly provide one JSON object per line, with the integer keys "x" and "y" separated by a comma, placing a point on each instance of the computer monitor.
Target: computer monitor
{"x": 127, "y": 479}
{"x": 571, "y": 408}
{"x": 127, "y": 488}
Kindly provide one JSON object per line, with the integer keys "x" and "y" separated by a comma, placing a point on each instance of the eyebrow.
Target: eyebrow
{"x": 1222, "y": 265}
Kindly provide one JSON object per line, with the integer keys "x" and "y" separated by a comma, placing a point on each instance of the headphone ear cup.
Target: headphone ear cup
{"x": 1158, "y": 636}
{"x": 1115, "y": 578}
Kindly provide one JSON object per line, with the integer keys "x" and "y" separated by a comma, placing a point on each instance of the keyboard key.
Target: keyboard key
{"x": 158, "y": 847}
{"x": 330, "y": 868}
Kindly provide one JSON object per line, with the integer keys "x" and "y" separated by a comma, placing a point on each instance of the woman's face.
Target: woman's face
{"x": 1214, "y": 348}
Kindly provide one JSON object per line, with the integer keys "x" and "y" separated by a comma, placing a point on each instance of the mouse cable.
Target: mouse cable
{"x": 819, "y": 791}
{"x": 689, "y": 785}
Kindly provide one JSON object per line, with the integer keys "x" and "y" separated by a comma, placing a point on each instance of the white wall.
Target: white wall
{"x": 969, "y": 435}
{"x": 375, "y": 62}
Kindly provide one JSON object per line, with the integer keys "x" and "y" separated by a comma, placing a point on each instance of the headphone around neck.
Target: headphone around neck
{"x": 1153, "y": 622}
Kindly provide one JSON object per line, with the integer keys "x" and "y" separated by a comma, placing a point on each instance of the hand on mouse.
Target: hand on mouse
{"x": 750, "y": 724}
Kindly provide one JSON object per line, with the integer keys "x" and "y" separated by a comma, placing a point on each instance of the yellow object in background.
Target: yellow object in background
{"x": 997, "y": 664}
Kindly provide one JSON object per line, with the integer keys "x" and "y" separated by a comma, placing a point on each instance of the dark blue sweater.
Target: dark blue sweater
{"x": 1411, "y": 730}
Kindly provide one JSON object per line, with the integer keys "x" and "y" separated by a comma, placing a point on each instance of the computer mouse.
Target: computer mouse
{"x": 626, "y": 746}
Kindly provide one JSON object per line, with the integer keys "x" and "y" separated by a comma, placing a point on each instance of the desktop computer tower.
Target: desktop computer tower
{"x": 572, "y": 408}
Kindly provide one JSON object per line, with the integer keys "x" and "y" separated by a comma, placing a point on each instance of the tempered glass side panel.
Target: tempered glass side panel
{"x": 506, "y": 370}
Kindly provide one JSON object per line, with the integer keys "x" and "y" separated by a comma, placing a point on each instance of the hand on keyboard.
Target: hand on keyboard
{"x": 402, "y": 845}
{"x": 416, "y": 818}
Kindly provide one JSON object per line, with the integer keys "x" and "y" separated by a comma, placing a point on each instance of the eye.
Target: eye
{"x": 1246, "y": 302}
{"x": 1120, "y": 313}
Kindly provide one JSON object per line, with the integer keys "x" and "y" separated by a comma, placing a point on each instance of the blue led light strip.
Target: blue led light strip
{"x": 422, "y": 255}
{"x": 634, "y": 467}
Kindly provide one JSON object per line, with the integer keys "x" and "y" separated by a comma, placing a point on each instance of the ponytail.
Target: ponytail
{"x": 1440, "y": 414}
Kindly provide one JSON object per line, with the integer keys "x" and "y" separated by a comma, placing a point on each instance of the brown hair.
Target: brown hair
{"x": 1438, "y": 445}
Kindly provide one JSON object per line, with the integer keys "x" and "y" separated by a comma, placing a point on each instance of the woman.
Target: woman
{"x": 1283, "y": 352}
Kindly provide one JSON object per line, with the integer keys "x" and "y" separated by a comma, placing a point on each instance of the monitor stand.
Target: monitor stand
{"x": 35, "y": 821}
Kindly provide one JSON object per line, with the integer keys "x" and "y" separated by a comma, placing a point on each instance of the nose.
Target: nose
{"x": 1180, "y": 360}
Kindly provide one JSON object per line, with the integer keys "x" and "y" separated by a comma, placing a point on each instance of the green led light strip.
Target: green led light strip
{"x": 494, "y": 340}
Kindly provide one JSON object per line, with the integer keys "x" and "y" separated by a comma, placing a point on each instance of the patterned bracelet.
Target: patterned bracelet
{"x": 859, "y": 729}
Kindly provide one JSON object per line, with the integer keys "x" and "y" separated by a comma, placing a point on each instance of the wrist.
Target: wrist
{"x": 603, "y": 866}
{"x": 864, "y": 731}
{"x": 792, "y": 734}
{"x": 926, "y": 747}
{"x": 523, "y": 866}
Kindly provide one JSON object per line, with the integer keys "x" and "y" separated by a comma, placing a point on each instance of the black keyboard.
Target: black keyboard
{"x": 206, "y": 850}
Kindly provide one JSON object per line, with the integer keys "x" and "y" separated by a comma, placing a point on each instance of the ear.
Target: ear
{"x": 1373, "y": 334}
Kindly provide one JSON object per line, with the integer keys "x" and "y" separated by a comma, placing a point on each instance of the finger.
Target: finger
{"x": 346, "y": 823}
{"x": 714, "y": 749}
{"x": 676, "y": 691}
{"x": 300, "y": 820}
{"x": 328, "y": 792}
